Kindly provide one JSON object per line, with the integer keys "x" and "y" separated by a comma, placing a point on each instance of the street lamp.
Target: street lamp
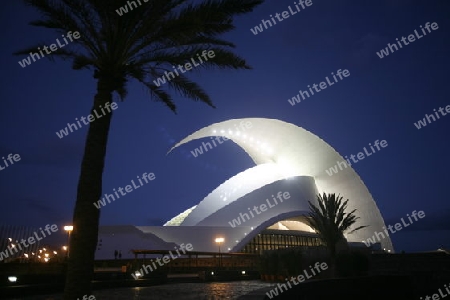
{"x": 69, "y": 230}
{"x": 219, "y": 240}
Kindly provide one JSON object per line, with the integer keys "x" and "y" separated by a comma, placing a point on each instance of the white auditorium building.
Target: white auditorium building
{"x": 287, "y": 159}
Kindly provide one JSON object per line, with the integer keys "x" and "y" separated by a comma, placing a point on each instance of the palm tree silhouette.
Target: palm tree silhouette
{"x": 142, "y": 45}
{"x": 330, "y": 221}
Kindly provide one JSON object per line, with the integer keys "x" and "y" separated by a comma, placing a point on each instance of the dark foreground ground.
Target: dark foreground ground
{"x": 189, "y": 291}
{"x": 402, "y": 276}
{"x": 356, "y": 288}
{"x": 368, "y": 288}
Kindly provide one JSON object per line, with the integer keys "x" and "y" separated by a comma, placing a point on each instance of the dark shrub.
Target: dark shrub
{"x": 352, "y": 263}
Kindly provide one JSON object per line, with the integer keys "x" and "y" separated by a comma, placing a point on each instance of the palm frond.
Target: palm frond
{"x": 330, "y": 219}
{"x": 190, "y": 89}
{"x": 146, "y": 41}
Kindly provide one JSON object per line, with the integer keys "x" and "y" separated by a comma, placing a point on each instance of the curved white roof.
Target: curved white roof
{"x": 178, "y": 219}
{"x": 291, "y": 151}
{"x": 234, "y": 189}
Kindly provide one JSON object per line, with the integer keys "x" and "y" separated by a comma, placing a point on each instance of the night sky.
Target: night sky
{"x": 381, "y": 99}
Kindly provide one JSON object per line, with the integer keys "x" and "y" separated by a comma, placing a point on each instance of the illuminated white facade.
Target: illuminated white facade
{"x": 287, "y": 159}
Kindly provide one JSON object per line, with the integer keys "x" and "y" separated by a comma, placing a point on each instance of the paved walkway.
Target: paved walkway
{"x": 258, "y": 294}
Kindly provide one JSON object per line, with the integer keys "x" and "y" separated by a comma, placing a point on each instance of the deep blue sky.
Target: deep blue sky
{"x": 381, "y": 99}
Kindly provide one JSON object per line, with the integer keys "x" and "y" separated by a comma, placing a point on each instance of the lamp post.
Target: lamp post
{"x": 220, "y": 240}
{"x": 69, "y": 230}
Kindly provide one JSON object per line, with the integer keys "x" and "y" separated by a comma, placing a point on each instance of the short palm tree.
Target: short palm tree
{"x": 141, "y": 44}
{"x": 330, "y": 220}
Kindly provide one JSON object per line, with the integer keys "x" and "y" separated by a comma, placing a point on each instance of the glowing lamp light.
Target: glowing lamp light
{"x": 69, "y": 229}
{"x": 219, "y": 240}
{"x": 12, "y": 278}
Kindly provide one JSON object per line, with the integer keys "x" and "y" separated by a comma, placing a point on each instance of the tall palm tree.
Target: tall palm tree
{"x": 141, "y": 44}
{"x": 330, "y": 220}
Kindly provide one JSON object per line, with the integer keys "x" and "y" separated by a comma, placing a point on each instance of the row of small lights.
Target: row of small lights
{"x": 244, "y": 136}
{"x": 384, "y": 249}
{"x": 228, "y": 194}
{"x": 42, "y": 255}
{"x": 45, "y": 257}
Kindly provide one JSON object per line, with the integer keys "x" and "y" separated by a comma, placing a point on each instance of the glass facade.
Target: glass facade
{"x": 280, "y": 239}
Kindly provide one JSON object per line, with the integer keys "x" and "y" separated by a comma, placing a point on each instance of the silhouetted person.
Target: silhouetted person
{"x": 115, "y": 254}
{"x": 120, "y": 254}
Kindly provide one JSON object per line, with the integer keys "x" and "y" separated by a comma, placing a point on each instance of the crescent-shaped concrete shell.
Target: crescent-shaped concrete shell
{"x": 282, "y": 152}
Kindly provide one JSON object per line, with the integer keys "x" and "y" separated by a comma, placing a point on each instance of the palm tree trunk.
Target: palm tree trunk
{"x": 332, "y": 272}
{"x": 83, "y": 239}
